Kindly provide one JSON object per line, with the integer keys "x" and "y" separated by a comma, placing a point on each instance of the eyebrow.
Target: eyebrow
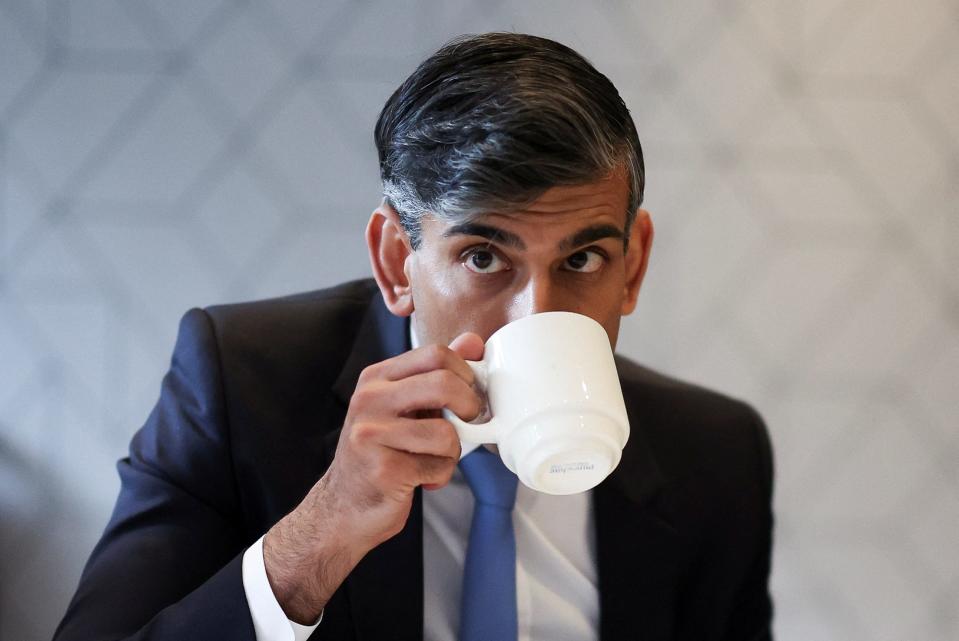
{"x": 490, "y": 233}
{"x": 591, "y": 235}
{"x": 496, "y": 235}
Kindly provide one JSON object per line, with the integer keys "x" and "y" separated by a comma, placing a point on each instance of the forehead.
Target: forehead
{"x": 561, "y": 217}
{"x": 607, "y": 197}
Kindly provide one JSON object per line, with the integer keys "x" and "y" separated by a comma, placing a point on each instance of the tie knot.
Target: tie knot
{"x": 492, "y": 483}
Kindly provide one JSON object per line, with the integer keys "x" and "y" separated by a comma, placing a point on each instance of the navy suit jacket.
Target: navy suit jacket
{"x": 248, "y": 419}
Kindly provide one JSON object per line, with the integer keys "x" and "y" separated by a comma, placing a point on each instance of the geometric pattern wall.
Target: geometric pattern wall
{"x": 803, "y": 163}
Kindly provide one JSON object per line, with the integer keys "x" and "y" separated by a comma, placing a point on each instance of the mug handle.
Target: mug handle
{"x": 478, "y": 433}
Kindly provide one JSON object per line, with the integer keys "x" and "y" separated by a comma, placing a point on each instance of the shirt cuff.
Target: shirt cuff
{"x": 269, "y": 621}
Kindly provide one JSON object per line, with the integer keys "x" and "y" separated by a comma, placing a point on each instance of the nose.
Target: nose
{"x": 539, "y": 295}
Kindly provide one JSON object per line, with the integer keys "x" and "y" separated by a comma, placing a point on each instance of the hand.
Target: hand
{"x": 393, "y": 440}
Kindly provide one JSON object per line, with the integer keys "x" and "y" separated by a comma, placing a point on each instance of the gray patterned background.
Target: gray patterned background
{"x": 803, "y": 161}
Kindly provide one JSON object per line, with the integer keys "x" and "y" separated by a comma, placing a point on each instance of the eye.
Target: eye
{"x": 585, "y": 261}
{"x": 483, "y": 261}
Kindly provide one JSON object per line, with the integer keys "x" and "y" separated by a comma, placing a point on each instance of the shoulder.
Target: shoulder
{"x": 294, "y": 340}
{"x": 695, "y": 431}
{"x": 679, "y": 400}
{"x": 339, "y": 304}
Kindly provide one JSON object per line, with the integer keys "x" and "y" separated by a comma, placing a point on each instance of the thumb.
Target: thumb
{"x": 468, "y": 346}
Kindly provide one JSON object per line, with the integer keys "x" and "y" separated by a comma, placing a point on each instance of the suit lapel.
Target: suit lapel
{"x": 638, "y": 549}
{"x": 385, "y": 590}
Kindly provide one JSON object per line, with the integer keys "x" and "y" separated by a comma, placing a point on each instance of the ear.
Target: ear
{"x": 637, "y": 259}
{"x": 390, "y": 250}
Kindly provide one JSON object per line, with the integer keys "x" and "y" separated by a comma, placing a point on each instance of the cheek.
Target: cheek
{"x": 612, "y": 330}
{"x": 447, "y": 303}
{"x": 446, "y": 318}
{"x": 602, "y": 299}
{"x": 603, "y": 303}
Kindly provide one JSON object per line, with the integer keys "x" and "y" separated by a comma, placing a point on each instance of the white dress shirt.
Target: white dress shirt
{"x": 556, "y": 580}
{"x": 269, "y": 620}
{"x": 557, "y": 596}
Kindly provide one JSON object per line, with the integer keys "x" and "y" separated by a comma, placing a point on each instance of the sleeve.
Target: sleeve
{"x": 751, "y": 619}
{"x": 269, "y": 621}
{"x": 169, "y": 564}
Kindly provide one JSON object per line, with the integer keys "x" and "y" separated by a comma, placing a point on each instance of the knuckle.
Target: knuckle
{"x": 447, "y": 435}
{"x": 443, "y": 436}
{"x": 363, "y": 433}
{"x": 362, "y": 395}
{"x": 368, "y": 394}
{"x": 436, "y": 355}
{"x": 369, "y": 373}
{"x": 459, "y": 396}
{"x": 474, "y": 404}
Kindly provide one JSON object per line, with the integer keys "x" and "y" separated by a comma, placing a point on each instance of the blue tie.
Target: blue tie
{"x": 488, "y": 607}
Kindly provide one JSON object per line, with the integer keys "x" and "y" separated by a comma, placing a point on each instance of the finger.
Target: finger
{"x": 414, "y": 452}
{"x": 434, "y": 472}
{"x": 420, "y": 360}
{"x": 469, "y": 346}
{"x": 432, "y": 436}
{"x": 436, "y": 390}
{"x": 394, "y": 469}
{"x": 416, "y": 396}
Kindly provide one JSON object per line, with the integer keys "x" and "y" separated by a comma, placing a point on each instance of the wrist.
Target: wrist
{"x": 307, "y": 557}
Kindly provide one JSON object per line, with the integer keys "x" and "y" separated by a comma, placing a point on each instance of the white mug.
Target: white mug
{"x": 557, "y": 410}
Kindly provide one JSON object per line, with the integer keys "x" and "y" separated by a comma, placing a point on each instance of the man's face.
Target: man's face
{"x": 562, "y": 253}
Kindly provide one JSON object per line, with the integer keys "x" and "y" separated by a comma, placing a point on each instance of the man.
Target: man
{"x": 296, "y": 476}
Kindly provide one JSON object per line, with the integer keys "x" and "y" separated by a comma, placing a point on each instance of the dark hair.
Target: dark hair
{"x": 490, "y": 122}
